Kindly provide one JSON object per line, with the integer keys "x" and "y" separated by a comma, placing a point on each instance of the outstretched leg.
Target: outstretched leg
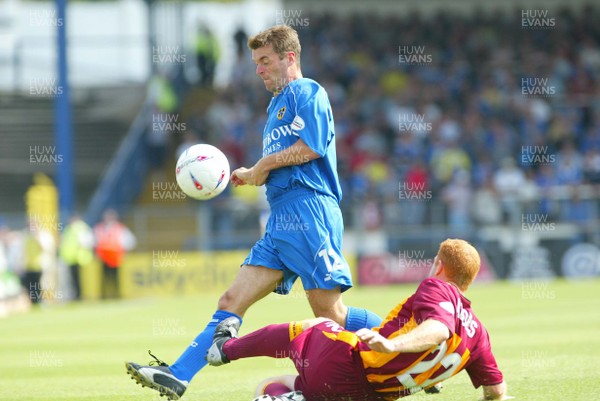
{"x": 273, "y": 341}
{"x": 251, "y": 284}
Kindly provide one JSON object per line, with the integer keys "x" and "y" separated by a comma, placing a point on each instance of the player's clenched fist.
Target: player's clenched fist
{"x": 237, "y": 176}
{"x": 249, "y": 176}
{"x": 375, "y": 341}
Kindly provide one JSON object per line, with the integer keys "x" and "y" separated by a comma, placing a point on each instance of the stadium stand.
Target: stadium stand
{"x": 100, "y": 120}
{"x": 471, "y": 98}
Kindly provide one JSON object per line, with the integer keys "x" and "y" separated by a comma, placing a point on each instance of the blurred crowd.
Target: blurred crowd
{"x": 492, "y": 121}
{"x": 44, "y": 262}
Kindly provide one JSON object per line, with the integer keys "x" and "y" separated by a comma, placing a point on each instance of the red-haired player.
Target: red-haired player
{"x": 427, "y": 338}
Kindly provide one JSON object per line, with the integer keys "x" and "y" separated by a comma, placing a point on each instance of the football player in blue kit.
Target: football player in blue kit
{"x": 303, "y": 236}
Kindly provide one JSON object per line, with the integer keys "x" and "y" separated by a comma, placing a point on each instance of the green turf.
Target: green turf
{"x": 546, "y": 337}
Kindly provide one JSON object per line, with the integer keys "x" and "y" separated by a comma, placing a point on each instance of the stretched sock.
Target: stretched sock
{"x": 359, "y": 318}
{"x": 275, "y": 389}
{"x": 193, "y": 358}
{"x": 272, "y": 340}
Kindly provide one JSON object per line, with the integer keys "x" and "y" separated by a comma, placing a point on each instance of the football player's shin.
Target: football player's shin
{"x": 193, "y": 358}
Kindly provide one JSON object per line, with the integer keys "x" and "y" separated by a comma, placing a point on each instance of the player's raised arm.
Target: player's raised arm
{"x": 298, "y": 153}
{"x": 426, "y": 335}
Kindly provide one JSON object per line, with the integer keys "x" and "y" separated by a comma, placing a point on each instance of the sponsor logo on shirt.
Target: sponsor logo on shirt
{"x": 271, "y": 142}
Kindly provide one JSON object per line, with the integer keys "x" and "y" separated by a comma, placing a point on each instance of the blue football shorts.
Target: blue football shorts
{"x": 303, "y": 238}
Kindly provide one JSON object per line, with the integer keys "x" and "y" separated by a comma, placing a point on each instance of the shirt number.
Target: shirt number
{"x": 451, "y": 362}
{"x": 332, "y": 261}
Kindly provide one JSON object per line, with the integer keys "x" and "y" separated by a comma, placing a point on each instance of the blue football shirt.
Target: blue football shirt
{"x": 302, "y": 110}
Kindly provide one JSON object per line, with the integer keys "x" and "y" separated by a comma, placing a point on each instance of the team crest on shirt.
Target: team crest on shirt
{"x": 281, "y": 113}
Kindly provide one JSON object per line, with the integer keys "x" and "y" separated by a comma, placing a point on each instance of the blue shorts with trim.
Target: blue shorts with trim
{"x": 303, "y": 238}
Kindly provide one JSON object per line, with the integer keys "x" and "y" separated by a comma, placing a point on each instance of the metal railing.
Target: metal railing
{"x": 233, "y": 224}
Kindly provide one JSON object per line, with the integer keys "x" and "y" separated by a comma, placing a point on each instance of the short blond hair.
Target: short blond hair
{"x": 461, "y": 261}
{"x": 283, "y": 38}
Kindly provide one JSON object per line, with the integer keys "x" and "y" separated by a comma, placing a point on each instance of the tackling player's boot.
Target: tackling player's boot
{"x": 435, "y": 389}
{"x": 291, "y": 396}
{"x": 157, "y": 377}
{"x": 225, "y": 331}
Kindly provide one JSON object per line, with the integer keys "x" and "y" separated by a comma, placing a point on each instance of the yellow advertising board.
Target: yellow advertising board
{"x": 169, "y": 273}
{"x": 160, "y": 273}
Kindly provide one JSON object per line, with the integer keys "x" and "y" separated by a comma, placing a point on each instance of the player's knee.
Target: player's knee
{"x": 276, "y": 385}
{"x": 328, "y": 304}
{"x": 336, "y": 312}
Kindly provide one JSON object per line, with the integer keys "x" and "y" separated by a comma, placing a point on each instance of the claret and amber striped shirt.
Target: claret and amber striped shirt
{"x": 468, "y": 347}
{"x": 396, "y": 375}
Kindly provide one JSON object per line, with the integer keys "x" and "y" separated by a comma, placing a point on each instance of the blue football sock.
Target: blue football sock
{"x": 193, "y": 358}
{"x": 359, "y": 318}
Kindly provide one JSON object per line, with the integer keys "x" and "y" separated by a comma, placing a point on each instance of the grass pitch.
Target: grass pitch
{"x": 546, "y": 338}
